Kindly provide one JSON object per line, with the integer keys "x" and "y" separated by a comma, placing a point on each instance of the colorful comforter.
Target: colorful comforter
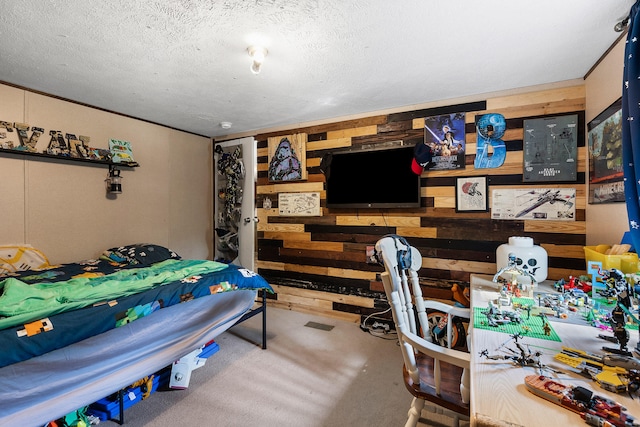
{"x": 50, "y": 309}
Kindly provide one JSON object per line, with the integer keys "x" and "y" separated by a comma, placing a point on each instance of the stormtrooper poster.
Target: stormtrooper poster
{"x": 445, "y": 135}
{"x": 287, "y": 157}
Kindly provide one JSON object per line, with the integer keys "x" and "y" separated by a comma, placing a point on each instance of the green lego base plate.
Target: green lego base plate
{"x": 530, "y": 327}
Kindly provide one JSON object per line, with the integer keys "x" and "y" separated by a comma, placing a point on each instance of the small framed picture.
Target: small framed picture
{"x": 472, "y": 194}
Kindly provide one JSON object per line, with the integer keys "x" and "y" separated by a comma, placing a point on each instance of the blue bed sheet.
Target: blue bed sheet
{"x": 41, "y": 336}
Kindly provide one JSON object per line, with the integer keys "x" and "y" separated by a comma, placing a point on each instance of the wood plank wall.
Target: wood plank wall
{"x": 318, "y": 264}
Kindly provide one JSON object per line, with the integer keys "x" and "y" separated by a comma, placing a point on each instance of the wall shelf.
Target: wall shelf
{"x": 42, "y": 156}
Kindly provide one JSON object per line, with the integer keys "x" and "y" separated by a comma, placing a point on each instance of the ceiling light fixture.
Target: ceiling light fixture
{"x": 622, "y": 25}
{"x": 225, "y": 125}
{"x": 257, "y": 54}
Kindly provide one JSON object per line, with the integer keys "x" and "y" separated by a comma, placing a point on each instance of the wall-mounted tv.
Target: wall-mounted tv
{"x": 375, "y": 178}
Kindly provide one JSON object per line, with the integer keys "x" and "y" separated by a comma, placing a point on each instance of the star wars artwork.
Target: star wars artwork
{"x": 287, "y": 158}
{"x": 606, "y": 178}
{"x": 557, "y": 204}
{"x": 446, "y": 136}
{"x": 490, "y": 129}
{"x": 299, "y": 204}
{"x": 472, "y": 194}
{"x": 551, "y": 149}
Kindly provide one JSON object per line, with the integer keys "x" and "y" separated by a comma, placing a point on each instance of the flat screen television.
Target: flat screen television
{"x": 369, "y": 179}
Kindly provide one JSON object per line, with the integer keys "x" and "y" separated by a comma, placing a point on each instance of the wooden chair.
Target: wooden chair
{"x": 432, "y": 373}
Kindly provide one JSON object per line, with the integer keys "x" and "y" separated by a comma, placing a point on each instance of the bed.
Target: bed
{"x": 74, "y": 333}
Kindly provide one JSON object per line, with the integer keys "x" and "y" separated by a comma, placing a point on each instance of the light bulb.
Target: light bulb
{"x": 257, "y": 54}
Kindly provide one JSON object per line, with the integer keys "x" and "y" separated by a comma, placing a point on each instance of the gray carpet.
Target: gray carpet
{"x": 308, "y": 377}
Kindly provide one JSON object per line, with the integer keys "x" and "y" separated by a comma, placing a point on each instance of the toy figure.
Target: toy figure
{"x": 618, "y": 288}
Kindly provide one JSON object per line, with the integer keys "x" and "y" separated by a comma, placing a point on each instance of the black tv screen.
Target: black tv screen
{"x": 379, "y": 178}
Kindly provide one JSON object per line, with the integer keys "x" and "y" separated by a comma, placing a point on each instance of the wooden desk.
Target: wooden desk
{"x": 498, "y": 394}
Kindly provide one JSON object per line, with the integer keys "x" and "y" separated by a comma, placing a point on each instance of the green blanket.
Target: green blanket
{"x": 21, "y": 303}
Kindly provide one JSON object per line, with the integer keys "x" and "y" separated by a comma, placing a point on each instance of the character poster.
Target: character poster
{"x": 606, "y": 178}
{"x": 445, "y": 135}
{"x": 287, "y": 157}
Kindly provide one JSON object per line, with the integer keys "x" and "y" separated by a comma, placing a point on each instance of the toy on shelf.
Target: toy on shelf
{"x": 595, "y": 410}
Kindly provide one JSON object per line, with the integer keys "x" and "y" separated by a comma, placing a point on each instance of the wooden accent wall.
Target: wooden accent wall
{"x": 318, "y": 264}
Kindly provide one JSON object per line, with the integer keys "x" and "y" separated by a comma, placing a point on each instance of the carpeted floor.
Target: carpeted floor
{"x": 308, "y": 377}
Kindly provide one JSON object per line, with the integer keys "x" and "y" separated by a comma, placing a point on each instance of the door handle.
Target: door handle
{"x": 247, "y": 220}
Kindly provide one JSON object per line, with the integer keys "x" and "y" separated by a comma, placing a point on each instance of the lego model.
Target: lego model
{"x": 514, "y": 270}
{"x": 595, "y": 410}
{"x": 520, "y": 356}
{"x": 619, "y": 289}
{"x": 614, "y": 372}
{"x": 580, "y": 283}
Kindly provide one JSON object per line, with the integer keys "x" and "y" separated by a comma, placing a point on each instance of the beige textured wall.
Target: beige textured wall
{"x": 62, "y": 207}
{"x": 606, "y": 223}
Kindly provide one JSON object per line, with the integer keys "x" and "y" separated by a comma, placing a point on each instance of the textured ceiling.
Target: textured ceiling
{"x": 184, "y": 63}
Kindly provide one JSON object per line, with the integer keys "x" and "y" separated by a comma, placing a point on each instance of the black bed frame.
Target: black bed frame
{"x": 257, "y": 310}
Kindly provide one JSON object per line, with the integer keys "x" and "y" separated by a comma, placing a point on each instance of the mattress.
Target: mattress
{"x": 46, "y": 387}
{"x": 43, "y": 326}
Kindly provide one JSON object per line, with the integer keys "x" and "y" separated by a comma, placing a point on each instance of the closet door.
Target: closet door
{"x": 235, "y": 210}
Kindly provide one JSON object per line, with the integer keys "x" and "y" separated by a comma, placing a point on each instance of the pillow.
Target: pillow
{"x": 22, "y": 257}
{"x": 141, "y": 254}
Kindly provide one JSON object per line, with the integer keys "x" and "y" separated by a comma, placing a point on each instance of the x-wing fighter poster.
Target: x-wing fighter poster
{"x": 556, "y": 204}
{"x": 551, "y": 149}
{"x": 446, "y": 136}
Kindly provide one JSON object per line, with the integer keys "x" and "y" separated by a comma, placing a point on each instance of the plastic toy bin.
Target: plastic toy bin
{"x": 627, "y": 262}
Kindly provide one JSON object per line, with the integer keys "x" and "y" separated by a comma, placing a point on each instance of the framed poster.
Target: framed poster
{"x": 472, "y": 194}
{"x": 445, "y": 135}
{"x": 551, "y": 149}
{"x": 556, "y": 204}
{"x": 287, "y": 157}
{"x": 605, "y": 156}
{"x": 299, "y": 204}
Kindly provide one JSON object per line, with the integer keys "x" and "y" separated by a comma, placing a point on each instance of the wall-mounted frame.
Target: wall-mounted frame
{"x": 445, "y": 134}
{"x": 287, "y": 157}
{"x": 472, "y": 194}
{"x": 606, "y": 178}
{"x": 551, "y": 148}
{"x": 299, "y": 204}
{"x": 552, "y": 204}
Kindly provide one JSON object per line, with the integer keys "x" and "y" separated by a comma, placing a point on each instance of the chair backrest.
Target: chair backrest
{"x": 402, "y": 287}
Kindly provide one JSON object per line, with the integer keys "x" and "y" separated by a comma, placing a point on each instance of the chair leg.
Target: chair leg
{"x": 414, "y": 412}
